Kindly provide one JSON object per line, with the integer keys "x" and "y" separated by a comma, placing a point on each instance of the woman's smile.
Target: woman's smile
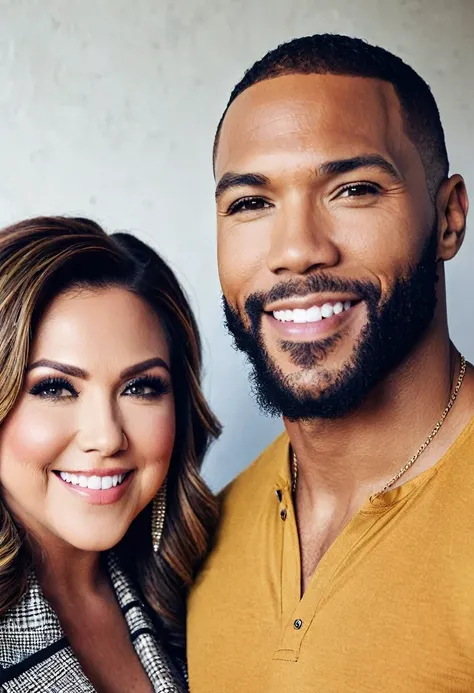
{"x": 97, "y": 486}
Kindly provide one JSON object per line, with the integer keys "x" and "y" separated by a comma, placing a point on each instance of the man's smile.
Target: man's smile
{"x": 319, "y": 321}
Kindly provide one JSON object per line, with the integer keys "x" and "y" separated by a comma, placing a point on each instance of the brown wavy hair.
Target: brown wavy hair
{"x": 43, "y": 257}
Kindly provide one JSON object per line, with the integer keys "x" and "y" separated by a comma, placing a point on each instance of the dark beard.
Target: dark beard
{"x": 393, "y": 328}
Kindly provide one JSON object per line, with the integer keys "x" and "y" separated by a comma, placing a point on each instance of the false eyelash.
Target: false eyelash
{"x": 160, "y": 386}
{"x": 44, "y": 384}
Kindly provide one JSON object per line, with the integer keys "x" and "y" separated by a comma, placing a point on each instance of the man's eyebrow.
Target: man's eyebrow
{"x": 239, "y": 180}
{"x": 62, "y": 367}
{"x": 331, "y": 168}
{"x": 232, "y": 179}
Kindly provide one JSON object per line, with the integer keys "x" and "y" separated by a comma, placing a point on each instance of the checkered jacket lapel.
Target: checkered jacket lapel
{"x": 35, "y": 655}
{"x": 163, "y": 674}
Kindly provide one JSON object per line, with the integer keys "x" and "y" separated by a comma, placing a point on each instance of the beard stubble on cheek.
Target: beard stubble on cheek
{"x": 394, "y": 325}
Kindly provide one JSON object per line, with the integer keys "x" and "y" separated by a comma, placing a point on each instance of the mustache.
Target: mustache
{"x": 313, "y": 284}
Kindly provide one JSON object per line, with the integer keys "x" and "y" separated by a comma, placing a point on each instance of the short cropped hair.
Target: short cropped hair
{"x": 334, "y": 54}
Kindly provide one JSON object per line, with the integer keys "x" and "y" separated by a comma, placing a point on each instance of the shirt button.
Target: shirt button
{"x": 297, "y": 624}
{"x": 283, "y": 514}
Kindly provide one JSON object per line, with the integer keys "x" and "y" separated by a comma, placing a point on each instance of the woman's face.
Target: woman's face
{"x": 89, "y": 441}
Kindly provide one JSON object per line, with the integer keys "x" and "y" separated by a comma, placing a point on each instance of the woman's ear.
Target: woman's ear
{"x": 452, "y": 205}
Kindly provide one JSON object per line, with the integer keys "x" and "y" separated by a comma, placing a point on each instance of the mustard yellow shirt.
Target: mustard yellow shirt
{"x": 389, "y": 609}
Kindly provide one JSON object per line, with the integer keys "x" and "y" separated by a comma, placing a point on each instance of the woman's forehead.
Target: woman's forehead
{"x": 99, "y": 325}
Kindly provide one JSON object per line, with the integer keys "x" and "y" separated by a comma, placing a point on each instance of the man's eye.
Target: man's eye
{"x": 248, "y": 204}
{"x": 359, "y": 190}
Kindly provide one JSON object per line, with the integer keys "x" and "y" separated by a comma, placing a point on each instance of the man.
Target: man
{"x": 345, "y": 556}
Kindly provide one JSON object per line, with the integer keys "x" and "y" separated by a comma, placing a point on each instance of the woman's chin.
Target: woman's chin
{"x": 91, "y": 543}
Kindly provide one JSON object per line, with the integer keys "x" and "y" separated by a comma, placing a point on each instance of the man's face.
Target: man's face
{"x": 327, "y": 239}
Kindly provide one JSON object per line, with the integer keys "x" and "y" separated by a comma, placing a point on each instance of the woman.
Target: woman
{"x": 103, "y": 515}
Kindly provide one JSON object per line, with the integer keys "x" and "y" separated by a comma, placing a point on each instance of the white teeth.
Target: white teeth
{"x": 299, "y": 315}
{"x": 93, "y": 482}
{"x": 107, "y": 482}
{"x": 327, "y": 311}
{"x": 314, "y": 314}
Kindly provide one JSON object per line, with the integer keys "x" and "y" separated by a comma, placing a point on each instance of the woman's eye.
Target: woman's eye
{"x": 146, "y": 388}
{"x": 359, "y": 190}
{"x": 53, "y": 389}
{"x": 248, "y": 204}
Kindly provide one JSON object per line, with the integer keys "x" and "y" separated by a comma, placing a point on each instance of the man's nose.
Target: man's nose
{"x": 301, "y": 239}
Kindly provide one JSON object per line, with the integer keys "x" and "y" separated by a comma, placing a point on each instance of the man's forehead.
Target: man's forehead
{"x": 330, "y": 114}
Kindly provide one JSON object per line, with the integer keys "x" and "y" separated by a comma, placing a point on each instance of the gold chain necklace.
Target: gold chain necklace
{"x": 421, "y": 449}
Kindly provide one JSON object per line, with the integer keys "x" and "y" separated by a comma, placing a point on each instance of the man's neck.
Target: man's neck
{"x": 350, "y": 458}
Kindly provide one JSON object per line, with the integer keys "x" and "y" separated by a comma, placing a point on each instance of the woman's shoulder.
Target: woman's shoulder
{"x": 34, "y": 652}
{"x": 29, "y": 626}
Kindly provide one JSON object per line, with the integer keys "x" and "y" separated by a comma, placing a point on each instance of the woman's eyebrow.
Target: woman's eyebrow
{"x": 76, "y": 372}
{"x": 62, "y": 367}
{"x": 143, "y": 366}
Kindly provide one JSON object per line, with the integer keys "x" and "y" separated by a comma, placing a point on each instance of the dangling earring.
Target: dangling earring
{"x": 158, "y": 512}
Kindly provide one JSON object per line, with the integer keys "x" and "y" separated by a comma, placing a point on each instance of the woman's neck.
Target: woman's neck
{"x": 65, "y": 572}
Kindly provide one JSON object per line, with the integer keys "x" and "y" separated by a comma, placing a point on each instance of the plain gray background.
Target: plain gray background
{"x": 108, "y": 109}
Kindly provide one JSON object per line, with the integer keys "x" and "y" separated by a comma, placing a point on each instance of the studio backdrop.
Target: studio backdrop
{"x": 108, "y": 109}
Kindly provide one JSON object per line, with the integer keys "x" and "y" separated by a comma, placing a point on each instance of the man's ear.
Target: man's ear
{"x": 452, "y": 205}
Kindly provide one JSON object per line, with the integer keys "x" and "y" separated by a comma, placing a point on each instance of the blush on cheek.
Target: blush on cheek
{"x": 37, "y": 440}
{"x": 154, "y": 436}
{"x": 161, "y": 443}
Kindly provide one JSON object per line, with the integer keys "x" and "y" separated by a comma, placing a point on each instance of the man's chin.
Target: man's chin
{"x": 309, "y": 382}
{"x": 315, "y": 362}
{"x": 309, "y": 392}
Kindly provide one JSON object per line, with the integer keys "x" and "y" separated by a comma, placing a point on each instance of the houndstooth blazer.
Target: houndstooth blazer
{"x": 35, "y": 656}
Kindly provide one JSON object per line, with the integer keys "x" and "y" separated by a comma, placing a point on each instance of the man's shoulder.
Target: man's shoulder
{"x": 259, "y": 476}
